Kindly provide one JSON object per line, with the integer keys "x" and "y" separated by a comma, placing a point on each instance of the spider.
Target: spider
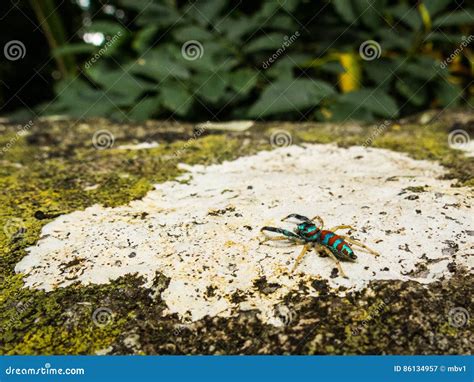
{"x": 312, "y": 236}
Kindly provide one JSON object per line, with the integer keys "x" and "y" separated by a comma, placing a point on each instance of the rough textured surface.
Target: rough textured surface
{"x": 201, "y": 231}
{"x": 54, "y": 170}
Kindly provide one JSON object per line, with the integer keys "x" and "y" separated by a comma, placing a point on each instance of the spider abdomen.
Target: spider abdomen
{"x": 336, "y": 244}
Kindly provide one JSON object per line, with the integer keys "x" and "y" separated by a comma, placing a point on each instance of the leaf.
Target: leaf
{"x": 151, "y": 13}
{"x": 78, "y": 48}
{"x": 406, "y": 15}
{"x": 448, "y": 93}
{"x": 176, "y": 97}
{"x": 380, "y": 71}
{"x": 345, "y": 10}
{"x": 243, "y": 80}
{"x": 463, "y": 17}
{"x": 393, "y": 39}
{"x": 121, "y": 86}
{"x": 143, "y": 38}
{"x": 289, "y": 5}
{"x": 369, "y": 11}
{"x": 341, "y": 112}
{"x": 423, "y": 68}
{"x": 78, "y": 99}
{"x": 271, "y": 41}
{"x": 144, "y": 109}
{"x": 435, "y": 6}
{"x": 160, "y": 63}
{"x": 448, "y": 38}
{"x": 350, "y": 79}
{"x": 333, "y": 67}
{"x": 413, "y": 91}
{"x": 108, "y": 28}
{"x": 210, "y": 86}
{"x": 205, "y": 11}
{"x": 236, "y": 28}
{"x": 372, "y": 99}
{"x": 191, "y": 32}
{"x": 282, "y": 22}
{"x": 290, "y": 95}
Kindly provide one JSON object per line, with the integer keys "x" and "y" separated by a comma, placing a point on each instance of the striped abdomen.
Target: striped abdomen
{"x": 336, "y": 244}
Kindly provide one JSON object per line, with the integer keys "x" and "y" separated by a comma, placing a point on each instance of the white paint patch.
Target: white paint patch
{"x": 202, "y": 232}
{"x": 139, "y": 146}
{"x": 237, "y": 126}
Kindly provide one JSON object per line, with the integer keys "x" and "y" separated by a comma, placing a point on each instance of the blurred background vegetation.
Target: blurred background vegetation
{"x": 221, "y": 60}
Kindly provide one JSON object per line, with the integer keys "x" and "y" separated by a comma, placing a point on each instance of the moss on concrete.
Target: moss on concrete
{"x": 55, "y": 170}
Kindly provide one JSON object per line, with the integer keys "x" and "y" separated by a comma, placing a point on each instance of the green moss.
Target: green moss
{"x": 48, "y": 340}
{"x": 56, "y": 170}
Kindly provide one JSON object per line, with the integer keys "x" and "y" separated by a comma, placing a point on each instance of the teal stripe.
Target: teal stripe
{"x": 327, "y": 237}
{"x": 336, "y": 243}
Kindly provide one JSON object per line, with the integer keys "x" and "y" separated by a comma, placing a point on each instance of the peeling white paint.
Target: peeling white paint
{"x": 237, "y": 126}
{"x": 202, "y": 232}
{"x": 139, "y": 146}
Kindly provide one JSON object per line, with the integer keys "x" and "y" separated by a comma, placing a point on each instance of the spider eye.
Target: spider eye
{"x": 353, "y": 256}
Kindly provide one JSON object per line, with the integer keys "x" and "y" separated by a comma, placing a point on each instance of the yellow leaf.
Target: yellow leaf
{"x": 425, "y": 16}
{"x": 350, "y": 79}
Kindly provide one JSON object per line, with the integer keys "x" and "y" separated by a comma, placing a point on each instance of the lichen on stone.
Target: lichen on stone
{"x": 54, "y": 170}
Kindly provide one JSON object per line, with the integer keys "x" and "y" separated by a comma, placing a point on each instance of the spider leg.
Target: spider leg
{"x": 276, "y": 238}
{"x": 362, "y": 245}
{"x": 320, "y": 220}
{"x": 288, "y": 235}
{"x": 334, "y": 229}
{"x": 296, "y": 216}
{"x": 300, "y": 257}
{"x": 331, "y": 255}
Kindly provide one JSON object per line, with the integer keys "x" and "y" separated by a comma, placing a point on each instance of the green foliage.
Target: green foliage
{"x": 217, "y": 59}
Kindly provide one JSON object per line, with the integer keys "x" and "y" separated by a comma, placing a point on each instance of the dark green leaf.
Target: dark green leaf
{"x": 448, "y": 94}
{"x": 271, "y": 41}
{"x": 463, "y": 17}
{"x": 176, "y": 97}
{"x": 414, "y": 92}
{"x": 374, "y": 100}
{"x": 143, "y": 38}
{"x": 210, "y": 86}
{"x": 74, "y": 49}
{"x": 144, "y": 109}
{"x": 243, "y": 80}
{"x": 435, "y": 6}
{"x": 345, "y": 10}
{"x": 290, "y": 95}
{"x": 108, "y": 28}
